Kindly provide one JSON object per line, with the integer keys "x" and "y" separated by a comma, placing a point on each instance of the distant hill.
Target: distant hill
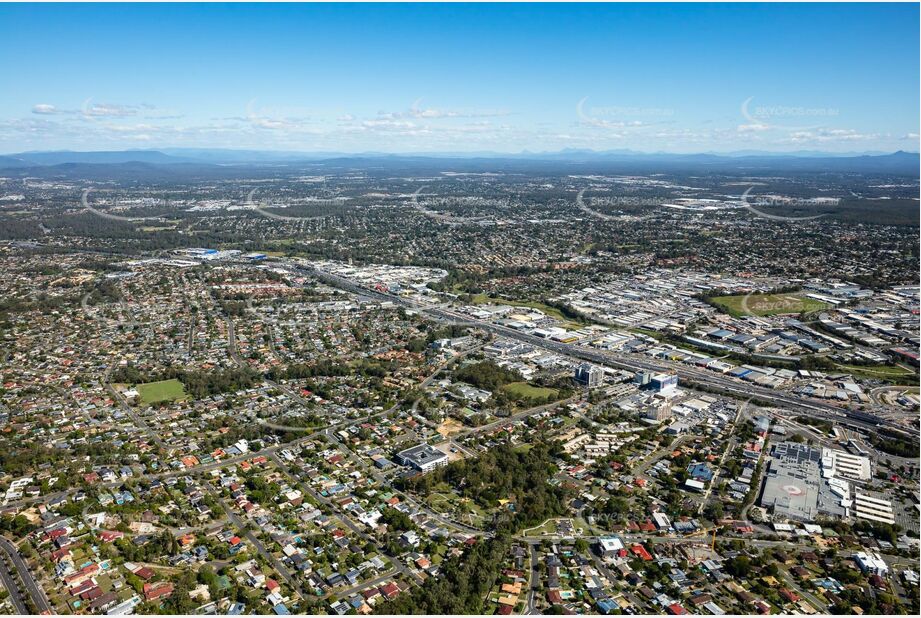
{"x": 191, "y": 162}
{"x": 9, "y": 161}
{"x": 102, "y": 156}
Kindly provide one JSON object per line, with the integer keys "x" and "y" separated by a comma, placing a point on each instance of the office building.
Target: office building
{"x": 871, "y": 563}
{"x": 664, "y": 382}
{"x": 422, "y": 457}
{"x": 589, "y": 375}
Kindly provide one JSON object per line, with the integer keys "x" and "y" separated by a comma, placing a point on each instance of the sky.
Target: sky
{"x": 460, "y": 77}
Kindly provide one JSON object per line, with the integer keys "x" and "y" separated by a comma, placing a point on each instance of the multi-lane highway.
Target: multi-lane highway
{"x": 693, "y": 376}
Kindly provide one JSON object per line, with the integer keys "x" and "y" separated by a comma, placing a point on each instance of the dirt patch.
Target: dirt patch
{"x": 450, "y": 427}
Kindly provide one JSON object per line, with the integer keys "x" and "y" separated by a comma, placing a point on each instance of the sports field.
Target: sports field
{"x": 165, "y": 390}
{"x": 768, "y": 304}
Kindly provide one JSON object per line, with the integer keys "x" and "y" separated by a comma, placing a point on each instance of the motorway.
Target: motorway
{"x": 693, "y": 376}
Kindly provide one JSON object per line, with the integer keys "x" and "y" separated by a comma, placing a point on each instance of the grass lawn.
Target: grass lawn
{"x": 548, "y": 527}
{"x": 891, "y": 373}
{"x": 523, "y": 390}
{"x": 768, "y": 304}
{"x": 578, "y": 522}
{"x": 649, "y": 333}
{"x": 442, "y": 503}
{"x": 165, "y": 390}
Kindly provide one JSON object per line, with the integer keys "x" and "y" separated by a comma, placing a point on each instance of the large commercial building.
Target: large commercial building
{"x": 589, "y": 375}
{"x": 794, "y": 488}
{"x": 664, "y": 382}
{"x": 659, "y": 411}
{"x": 422, "y": 457}
{"x": 837, "y": 463}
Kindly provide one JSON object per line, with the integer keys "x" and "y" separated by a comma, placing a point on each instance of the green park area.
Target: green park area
{"x": 164, "y": 390}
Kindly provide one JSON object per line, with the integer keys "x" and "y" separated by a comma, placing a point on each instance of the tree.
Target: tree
{"x": 739, "y": 567}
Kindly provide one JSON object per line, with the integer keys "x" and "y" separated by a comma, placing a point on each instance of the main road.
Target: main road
{"x": 12, "y": 587}
{"x": 39, "y": 600}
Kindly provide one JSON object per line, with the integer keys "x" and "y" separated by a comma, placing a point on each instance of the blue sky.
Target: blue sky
{"x": 416, "y": 78}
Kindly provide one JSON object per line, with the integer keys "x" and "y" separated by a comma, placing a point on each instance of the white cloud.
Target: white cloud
{"x": 418, "y": 128}
{"x": 431, "y": 113}
{"x": 753, "y": 127}
{"x": 108, "y": 110}
{"x": 825, "y": 136}
{"x": 46, "y": 109}
{"x": 387, "y": 123}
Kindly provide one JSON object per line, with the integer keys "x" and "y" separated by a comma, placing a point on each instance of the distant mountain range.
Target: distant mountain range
{"x": 202, "y": 158}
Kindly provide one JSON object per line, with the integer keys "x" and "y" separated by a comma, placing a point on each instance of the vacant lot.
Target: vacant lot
{"x": 165, "y": 390}
{"x": 450, "y": 427}
{"x": 768, "y": 304}
{"x": 523, "y": 390}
